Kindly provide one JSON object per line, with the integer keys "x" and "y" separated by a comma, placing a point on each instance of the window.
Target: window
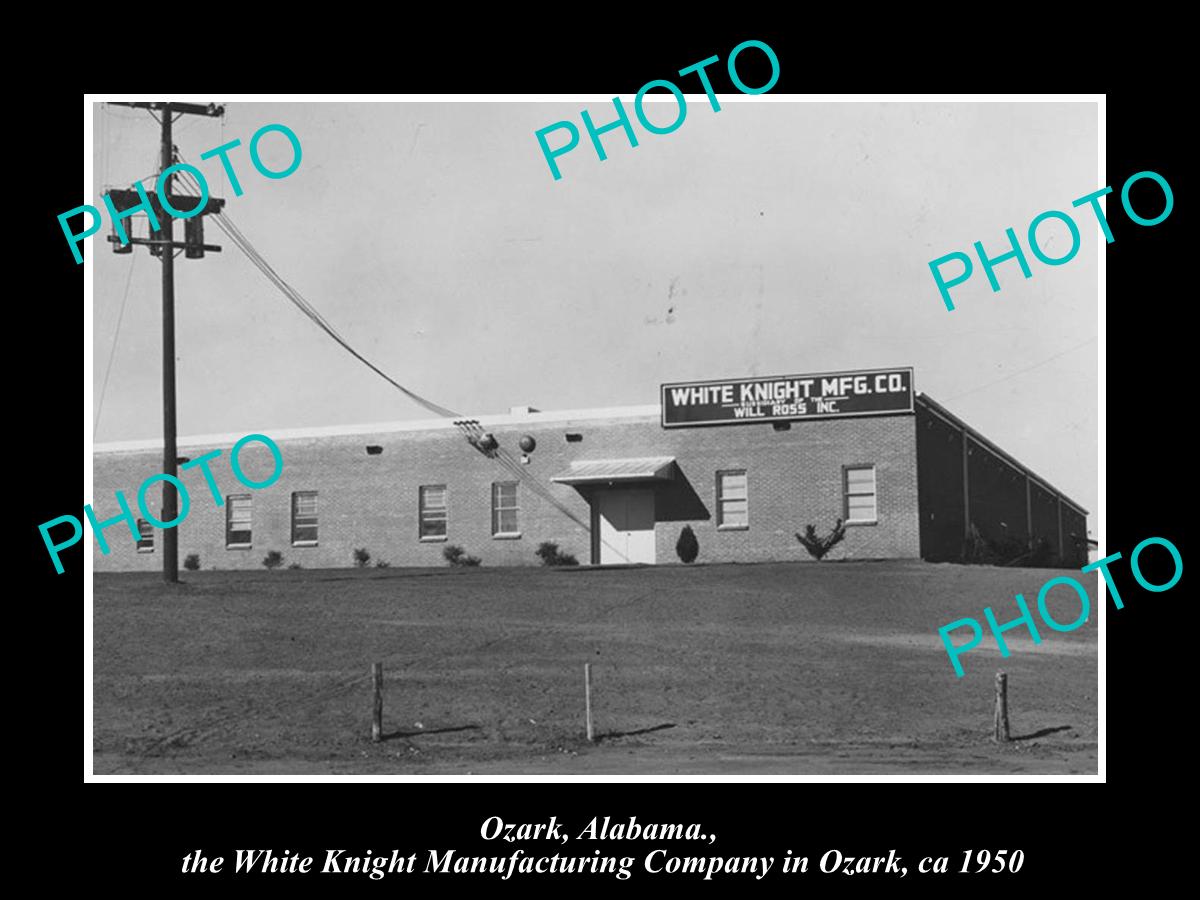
{"x": 433, "y": 512}
{"x": 304, "y": 519}
{"x": 860, "y": 495}
{"x": 504, "y": 509}
{"x": 237, "y": 520}
{"x": 145, "y": 542}
{"x": 732, "y": 500}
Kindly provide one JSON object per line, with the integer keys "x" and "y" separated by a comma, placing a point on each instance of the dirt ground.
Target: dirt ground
{"x": 790, "y": 668}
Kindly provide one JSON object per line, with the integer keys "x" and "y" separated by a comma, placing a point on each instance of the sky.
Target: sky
{"x": 774, "y": 237}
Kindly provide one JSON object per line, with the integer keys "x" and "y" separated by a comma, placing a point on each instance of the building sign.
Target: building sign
{"x": 865, "y": 392}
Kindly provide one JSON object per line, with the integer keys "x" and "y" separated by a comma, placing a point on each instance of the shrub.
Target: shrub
{"x": 295, "y": 566}
{"x": 273, "y": 560}
{"x": 976, "y": 548}
{"x": 819, "y": 546}
{"x": 361, "y": 557}
{"x": 456, "y": 556}
{"x": 687, "y": 546}
{"x": 1010, "y": 551}
{"x": 192, "y": 562}
{"x": 550, "y": 555}
{"x": 383, "y": 564}
{"x": 1007, "y": 551}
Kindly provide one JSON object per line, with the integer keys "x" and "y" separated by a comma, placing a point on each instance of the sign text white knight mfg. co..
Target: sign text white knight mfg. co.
{"x": 870, "y": 392}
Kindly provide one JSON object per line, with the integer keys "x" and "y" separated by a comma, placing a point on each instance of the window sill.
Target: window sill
{"x": 850, "y": 522}
{"x": 434, "y": 539}
{"x": 145, "y": 549}
{"x": 507, "y": 536}
{"x": 239, "y": 546}
{"x": 733, "y": 528}
{"x": 305, "y": 544}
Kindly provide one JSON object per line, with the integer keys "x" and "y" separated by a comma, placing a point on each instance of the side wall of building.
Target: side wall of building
{"x": 795, "y": 477}
{"x": 1008, "y": 507}
{"x": 940, "y": 468}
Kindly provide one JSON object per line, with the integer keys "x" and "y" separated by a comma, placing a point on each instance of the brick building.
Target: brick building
{"x": 746, "y": 463}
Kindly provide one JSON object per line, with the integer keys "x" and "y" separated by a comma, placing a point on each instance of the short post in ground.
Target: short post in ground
{"x": 1000, "y": 732}
{"x": 587, "y": 699}
{"x": 377, "y": 712}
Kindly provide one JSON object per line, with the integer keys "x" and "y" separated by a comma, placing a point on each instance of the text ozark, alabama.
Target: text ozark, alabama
{"x": 859, "y": 393}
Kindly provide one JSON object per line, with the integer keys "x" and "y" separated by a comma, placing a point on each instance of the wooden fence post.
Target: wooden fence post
{"x": 377, "y": 712}
{"x": 587, "y": 699}
{"x": 1001, "y": 724}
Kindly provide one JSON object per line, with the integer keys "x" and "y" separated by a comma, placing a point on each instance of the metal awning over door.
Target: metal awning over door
{"x": 605, "y": 471}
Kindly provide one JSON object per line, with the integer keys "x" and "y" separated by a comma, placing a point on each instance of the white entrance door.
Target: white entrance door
{"x": 626, "y": 518}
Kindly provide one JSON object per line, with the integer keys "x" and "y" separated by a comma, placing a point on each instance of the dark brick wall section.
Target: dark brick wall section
{"x": 939, "y": 456}
{"x": 1045, "y": 515}
{"x": 1074, "y": 529}
{"x": 996, "y": 495}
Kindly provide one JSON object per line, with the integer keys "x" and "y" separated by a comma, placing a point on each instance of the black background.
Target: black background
{"x": 1073, "y": 836}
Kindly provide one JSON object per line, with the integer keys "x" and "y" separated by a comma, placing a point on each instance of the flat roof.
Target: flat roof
{"x": 646, "y": 411}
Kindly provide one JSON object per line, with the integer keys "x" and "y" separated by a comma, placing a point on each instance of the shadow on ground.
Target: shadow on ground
{"x": 1042, "y": 733}
{"x": 609, "y": 735}
{"x": 424, "y": 731}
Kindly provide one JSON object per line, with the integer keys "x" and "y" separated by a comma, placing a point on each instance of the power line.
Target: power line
{"x": 246, "y": 246}
{"x": 112, "y": 353}
{"x": 1023, "y": 371}
{"x": 189, "y": 184}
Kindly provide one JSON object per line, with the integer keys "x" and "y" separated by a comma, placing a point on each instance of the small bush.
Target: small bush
{"x": 192, "y": 562}
{"x": 295, "y": 566}
{"x": 456, "y": 556}
{"x": 273, "y": 560}
{"x": 550, "y": 555}
{"x": 361, "y": 557}
{"x": 687, "y": 546}
{"x": 383, "y": 564}
{"x": 1008, "y": 550}
{"x": 976, "y": 548}
{"x": 819, "y": 546}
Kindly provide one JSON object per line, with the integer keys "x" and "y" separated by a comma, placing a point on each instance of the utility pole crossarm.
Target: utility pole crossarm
{"x": 194, "y": 109}
{"x": 126, "y": 199}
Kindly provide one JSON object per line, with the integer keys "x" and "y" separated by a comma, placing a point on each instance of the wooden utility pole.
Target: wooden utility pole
{"x": 170, "y": 497}
{"x": 163, "y": 241}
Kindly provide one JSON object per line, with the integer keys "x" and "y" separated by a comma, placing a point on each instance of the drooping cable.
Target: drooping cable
{"x": 112, "y": 353}
{"x": 191, "y": 187}
{"x": 243, "y": 243}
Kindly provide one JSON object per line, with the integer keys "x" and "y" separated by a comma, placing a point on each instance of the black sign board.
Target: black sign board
{"x": 739, "y": 401}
